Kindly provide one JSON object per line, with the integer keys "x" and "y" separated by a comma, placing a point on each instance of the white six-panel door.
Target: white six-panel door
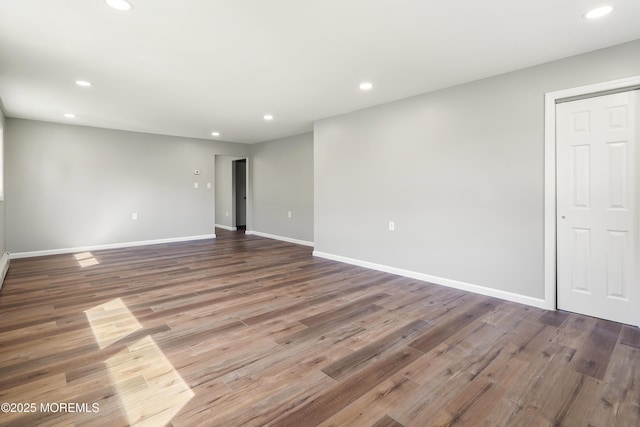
{"x": 598, "y": 247}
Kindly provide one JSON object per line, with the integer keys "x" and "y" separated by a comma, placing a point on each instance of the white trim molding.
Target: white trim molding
{"x": 276, "y": 237}
{"x": 109, "y": 246}
{"x": 463, "y": 286}
{"x": 226, "y": 227}
{"x": 550, "y": 237}
{"x": 5, "y": 260}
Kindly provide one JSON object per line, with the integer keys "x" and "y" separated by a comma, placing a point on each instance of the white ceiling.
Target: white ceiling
{"x": 191, "y": 67}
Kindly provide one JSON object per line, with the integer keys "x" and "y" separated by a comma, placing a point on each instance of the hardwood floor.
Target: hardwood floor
{"x": 247, "y": 331}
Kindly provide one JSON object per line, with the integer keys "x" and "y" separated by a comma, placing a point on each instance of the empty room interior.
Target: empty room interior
{"x": 330, "y": 213}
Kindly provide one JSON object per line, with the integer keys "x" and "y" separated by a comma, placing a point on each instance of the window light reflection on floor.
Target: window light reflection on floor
{"x": 152, "y": 392}
{"x": 86, "y": 259}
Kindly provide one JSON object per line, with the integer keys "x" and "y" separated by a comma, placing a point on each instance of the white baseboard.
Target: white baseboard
{"x": 109, "y": 246}
{"x": 477, "y": 289}
{"x": 276, "y": 237}
{"x": 226, "y": 227}
{"x": 4, "y": 266}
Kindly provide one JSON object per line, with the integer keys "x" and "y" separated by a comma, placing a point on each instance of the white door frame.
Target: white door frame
{"x": 249, "y": 204}
{"x": 234, "y": 207}
{"x": 550, "y": 237}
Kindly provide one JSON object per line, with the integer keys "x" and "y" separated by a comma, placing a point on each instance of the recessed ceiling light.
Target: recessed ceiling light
{"x": 215, "y": 133}
{"x": 268, "y": 117}
{"x": 366, "y": 86}
{"x": 119, "y": 4}
{"x": 83, "y": 83}
{"x": 70, "y": 115}
{"x": 598, "y": 12}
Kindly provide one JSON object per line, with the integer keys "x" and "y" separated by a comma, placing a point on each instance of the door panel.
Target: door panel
{"x": 597, "y": 200}
{"x": 618, "y": 175}
{"x": 581, "y": 259}
{"x": 616, "y": 269}
{"x": 581, "y": 165}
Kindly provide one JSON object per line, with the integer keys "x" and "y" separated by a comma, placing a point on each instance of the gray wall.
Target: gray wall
{"x": 224, "y": 186}
{"x": 3, "y": 246}
{"x": 282, "y": 181}
{"x": 72, "y": 186}
{"x": 459, "y": 170}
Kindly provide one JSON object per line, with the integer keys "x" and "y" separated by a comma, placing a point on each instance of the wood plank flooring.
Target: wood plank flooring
{"x": 247, "y": 331}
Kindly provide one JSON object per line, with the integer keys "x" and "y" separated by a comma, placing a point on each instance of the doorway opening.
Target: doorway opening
{"x": 239, "y": 191}
{"x": 232, "y": 197}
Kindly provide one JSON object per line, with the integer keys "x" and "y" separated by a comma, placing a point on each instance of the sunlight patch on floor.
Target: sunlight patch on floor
{"x": 152, "y": 392}
{"x": 86, "y": 259}
{"x": 111, "y": 322}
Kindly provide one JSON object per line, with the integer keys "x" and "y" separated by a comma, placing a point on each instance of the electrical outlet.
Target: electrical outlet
{"x": 134, "y": 216}
{"x": 289, "y": 214}
{"x": 392, "y": 226}
{"x": 195, "y": 185}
